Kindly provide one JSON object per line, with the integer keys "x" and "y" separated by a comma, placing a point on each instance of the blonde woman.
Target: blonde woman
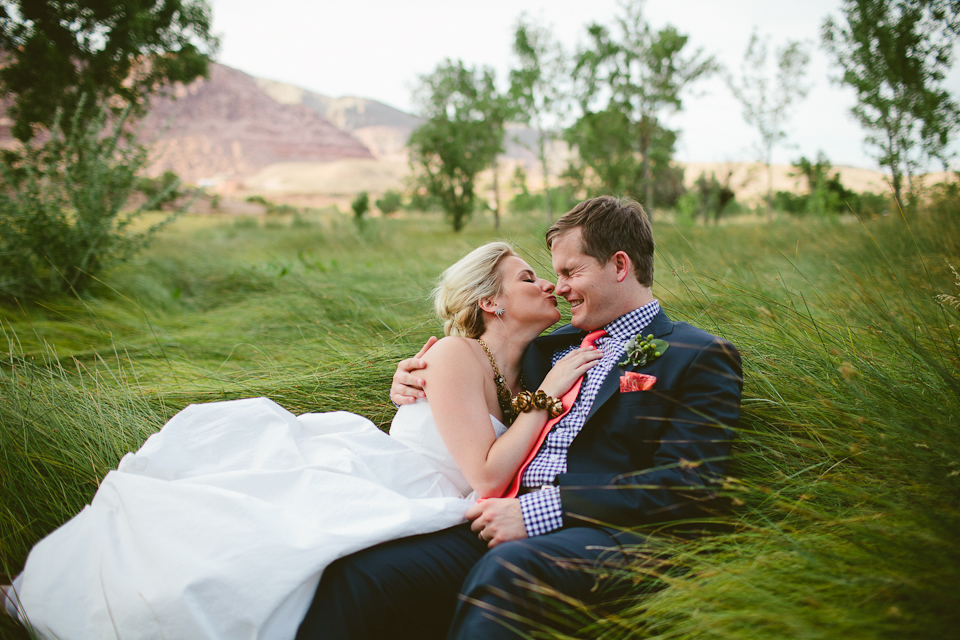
{"x": 222, "y": 523}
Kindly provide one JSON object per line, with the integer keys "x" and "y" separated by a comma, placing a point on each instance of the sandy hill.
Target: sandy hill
{"x": 383, "y": 129}
{"x": 226, "y": 127}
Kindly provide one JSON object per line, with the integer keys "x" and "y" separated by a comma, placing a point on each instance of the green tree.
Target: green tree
{"x": 462, "y": 135}
{"x": 895, "y": 55}
{"x": 625, "y": 84}
{"x": 538, "y": 89}
{"x": 390, "y": 202}
{"x": 166, "y": 183}
{"x": 360, "y": 206}
{"x": 712, "y": 196}
{"x": 61, "y": 207}
{"x": 767, "y": 101}
{"x": 69, "y": 55}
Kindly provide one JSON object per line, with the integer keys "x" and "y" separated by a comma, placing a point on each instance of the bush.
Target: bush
{"x": 390, "y": 202}
{"x": 826, "y": 194}
{"x": 360, "y": 205}
{"x": 945, "y": 198}
{"x": 60, "y": 207}
{"x": 162, "y": 190}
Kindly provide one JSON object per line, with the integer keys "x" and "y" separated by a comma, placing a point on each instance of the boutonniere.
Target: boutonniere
{"x": 633, "y": 381}
{"x": 642, "y": 351}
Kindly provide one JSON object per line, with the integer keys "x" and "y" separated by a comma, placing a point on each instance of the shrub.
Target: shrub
{"x": 390, "y": 202}
{"x": 60, "y": 207}
{"x": 360, "y": 205}
{"x": 162, "y": 190}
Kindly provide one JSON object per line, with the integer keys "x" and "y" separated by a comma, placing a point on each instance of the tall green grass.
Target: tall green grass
{"x": 846, "y": 479}
{"x": 844, "y": 486}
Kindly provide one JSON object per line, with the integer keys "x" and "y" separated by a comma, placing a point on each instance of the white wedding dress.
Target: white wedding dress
{"x": 221, "y": 524}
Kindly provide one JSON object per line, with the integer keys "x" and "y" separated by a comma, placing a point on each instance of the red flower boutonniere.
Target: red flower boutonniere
{"x": 633, "y": 381}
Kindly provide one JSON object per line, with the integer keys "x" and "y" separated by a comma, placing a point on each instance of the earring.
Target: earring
{"x": 499, "y": 312}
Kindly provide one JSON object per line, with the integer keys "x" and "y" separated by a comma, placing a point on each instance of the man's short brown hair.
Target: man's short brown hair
{"x": 608, "y": 225}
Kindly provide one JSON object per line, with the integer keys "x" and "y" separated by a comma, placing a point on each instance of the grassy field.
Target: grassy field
{"x": 846, "y": 479}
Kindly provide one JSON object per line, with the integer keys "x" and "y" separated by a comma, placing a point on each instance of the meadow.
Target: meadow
{"x": 844, "y": 490}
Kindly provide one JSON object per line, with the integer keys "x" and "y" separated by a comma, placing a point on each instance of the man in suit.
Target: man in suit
{"x": 620, "y": 458}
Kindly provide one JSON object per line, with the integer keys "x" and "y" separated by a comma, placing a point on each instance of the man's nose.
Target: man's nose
{"x": 562, "y": 286}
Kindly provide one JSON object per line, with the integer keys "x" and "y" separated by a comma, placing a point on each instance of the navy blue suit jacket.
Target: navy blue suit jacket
{"x": 650, "y": 456}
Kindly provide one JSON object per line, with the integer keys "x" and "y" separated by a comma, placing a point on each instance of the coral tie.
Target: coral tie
{"x": 567, "y": 400}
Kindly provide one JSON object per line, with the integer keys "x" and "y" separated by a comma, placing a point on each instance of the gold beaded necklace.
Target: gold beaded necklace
{"x": 504, "y": 398}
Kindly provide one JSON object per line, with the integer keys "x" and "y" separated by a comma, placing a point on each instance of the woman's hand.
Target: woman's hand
{"x": 408, "y": 387}
{"x": 569, "y": 369}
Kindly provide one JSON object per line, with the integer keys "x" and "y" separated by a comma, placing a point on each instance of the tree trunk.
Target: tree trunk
{"x": 496, "y": 194}
{"x": 647, "y": 182}
{"x": 896, "y": 179}
{"x": 547, "y": 205}
{"x": 769, "y": 185}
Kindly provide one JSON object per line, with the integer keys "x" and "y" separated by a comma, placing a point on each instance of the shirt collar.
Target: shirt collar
{"x": 630, "y": 324}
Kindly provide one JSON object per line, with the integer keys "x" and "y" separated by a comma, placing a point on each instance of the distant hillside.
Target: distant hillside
{"x": 348, "y": 113}
{"x": 382, "y": 128}
{"x": 226, "y": 127}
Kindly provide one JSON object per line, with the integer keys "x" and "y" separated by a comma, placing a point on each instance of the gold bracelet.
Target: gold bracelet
{"x": 526, "y": 401}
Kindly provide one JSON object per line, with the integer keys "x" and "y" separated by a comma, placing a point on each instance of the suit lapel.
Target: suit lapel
{"x": 660, "y": 326}
{"x": 538, "y": 360}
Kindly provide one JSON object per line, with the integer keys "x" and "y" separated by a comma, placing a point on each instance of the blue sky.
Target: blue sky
{"x": 377, "y": 49}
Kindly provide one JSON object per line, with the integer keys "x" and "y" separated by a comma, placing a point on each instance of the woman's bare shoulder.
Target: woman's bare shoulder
{"x": 451, "y": 349}
{"x": 451, "y": 361}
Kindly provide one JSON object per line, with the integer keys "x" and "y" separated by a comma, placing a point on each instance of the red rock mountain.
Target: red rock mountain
{"x": 226, "y": 127}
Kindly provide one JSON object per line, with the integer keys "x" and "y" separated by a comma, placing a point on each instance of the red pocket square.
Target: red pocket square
{"x": 632, "y": 381}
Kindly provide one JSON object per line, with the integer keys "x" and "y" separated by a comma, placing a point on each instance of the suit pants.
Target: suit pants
{"x": 449, "y": 585}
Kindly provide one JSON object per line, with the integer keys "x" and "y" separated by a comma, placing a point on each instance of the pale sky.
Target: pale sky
{"x": 377, "y": 49}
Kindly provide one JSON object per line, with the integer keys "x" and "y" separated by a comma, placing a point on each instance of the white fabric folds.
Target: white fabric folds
{"x": 221, "y": 524}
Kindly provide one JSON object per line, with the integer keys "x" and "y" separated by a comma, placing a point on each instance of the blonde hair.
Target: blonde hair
{"x": 462, "y": 286}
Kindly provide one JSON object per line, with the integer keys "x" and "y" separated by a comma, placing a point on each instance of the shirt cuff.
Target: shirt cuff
{"x": 542, "y": 511}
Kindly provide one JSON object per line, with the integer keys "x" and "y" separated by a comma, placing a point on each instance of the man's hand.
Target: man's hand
{"x": 407, "y": 387}
{"x": 497, "y": 520}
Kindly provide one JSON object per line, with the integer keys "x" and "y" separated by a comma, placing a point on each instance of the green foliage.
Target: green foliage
{"x": 766, "y": 103}
{"x": 419, "y": 199}
{"x": 282, "y": 210}
{"x": 625, "y": 84}
{"x": 895, "y": 55}
{"x": 61, "y": 217}
{"x": 272, "y": 208}
{"x": 167, "y": 184}
{"x": 462, "y": 135}
{"x": 524, "y": 201}
{"x": 712, "y": 196}
{"x": 826, "y": 195}
{"x": 843, "y": 481}
{"x": 945, "y": 197}
{"x": 360, "y": 206}
{"x": 390, "y": 202}
{"x": 73, "y": 57}
{"x": 537, "y": 89}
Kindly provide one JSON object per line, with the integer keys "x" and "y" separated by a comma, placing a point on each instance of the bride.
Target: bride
{"x": 221, "y": 524}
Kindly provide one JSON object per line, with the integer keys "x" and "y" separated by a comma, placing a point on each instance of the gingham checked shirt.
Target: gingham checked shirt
{"x": 542, "y": 511}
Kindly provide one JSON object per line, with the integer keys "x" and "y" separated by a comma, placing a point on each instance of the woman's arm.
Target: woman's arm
{"x": 454, "y": 381}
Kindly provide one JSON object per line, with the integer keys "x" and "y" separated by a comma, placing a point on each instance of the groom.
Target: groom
{"x": 628, "y": 454}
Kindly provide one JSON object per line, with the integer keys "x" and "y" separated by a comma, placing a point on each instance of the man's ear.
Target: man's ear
{"x": 623, "y": 265}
